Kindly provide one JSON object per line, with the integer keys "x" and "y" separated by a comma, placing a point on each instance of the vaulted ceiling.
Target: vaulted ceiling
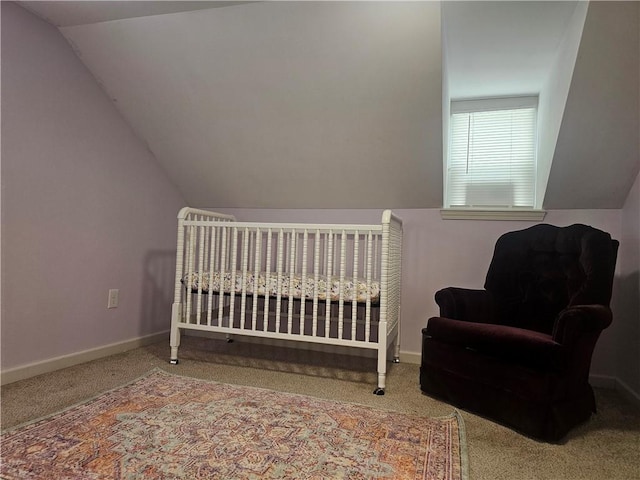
{"x": 340, "y": 104}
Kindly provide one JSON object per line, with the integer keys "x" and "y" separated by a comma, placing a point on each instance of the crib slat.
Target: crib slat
{"x": 245, "y": 260}
{"x": 327, "y": 322}
{"x": 212, "y": 256}
{"x": 316, "y": 283}
{"x": 292, "y": 260}
{"x": 343, "y": 264}
{"x": 218, "y": 256}
{"x": 200, "y": 273}
{"x": 279, "y": 273}
{"x": 375, "y": 255}
{"x": 232, "y": 271}
{"x": 207, "y": 230}
{"x": 190, "y": 268}
{"x": 367, "y": 318}
{"x": 267, "y": 280}
{"x": 223, "y": 264}
{"x": 354, "y": 301}
{"x": 303, "y": 302}
{"x": 256, "y": 273}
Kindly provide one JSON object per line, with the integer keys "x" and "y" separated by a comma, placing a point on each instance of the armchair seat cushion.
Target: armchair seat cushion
{"x": 510, "y": 344}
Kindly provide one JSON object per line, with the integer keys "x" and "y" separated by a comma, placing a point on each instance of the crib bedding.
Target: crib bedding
{"x": 266, "y": 283}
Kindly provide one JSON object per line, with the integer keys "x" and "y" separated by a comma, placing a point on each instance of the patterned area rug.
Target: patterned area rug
{"x": 164, "y": 426}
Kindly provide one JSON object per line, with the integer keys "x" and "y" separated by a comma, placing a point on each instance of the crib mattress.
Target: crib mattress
{"x": 266, "y": 283}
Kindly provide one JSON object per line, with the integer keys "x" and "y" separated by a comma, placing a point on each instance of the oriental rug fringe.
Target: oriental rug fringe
{"x": 164, "y": 426}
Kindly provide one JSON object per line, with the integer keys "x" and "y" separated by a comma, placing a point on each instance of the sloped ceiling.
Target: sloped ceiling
{"x": 339, "y": 104}
{"x": 597, "y": 156}
{"x": 501, "y": 48}
{"x": 283, "y": 104}
{"x": 63, "y": 13}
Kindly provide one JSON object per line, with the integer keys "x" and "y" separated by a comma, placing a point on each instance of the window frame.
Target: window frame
{"x": 480, "y": 212}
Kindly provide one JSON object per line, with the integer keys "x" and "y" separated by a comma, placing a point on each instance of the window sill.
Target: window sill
{"x": 492, "y": 214}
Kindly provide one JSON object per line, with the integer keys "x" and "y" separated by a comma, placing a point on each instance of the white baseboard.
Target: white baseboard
{"x": 46, "y": 366}
{"x": 410, "y": 357}
{"x": 602, "y": 381}
{"x": 626, "y": 391}
{"x": 614, "y": 383}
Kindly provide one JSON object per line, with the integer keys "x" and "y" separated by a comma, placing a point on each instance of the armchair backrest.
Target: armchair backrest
{"x": 537, "y": 272}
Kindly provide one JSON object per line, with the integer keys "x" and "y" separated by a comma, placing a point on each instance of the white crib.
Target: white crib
{"x": 315, "y": 283}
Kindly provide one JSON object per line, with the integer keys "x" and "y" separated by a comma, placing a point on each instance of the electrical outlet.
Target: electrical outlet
{"x": 113, "y": 298}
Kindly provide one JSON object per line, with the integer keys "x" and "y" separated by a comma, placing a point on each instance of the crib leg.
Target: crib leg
{"x": 396, "y": 355}
{"x": 174, "y": 340}
{"x": 382, "y": 369}
{"x": 381, "y": 383}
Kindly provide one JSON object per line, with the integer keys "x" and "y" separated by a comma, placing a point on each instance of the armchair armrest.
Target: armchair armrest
{"x": 465, "y": 304}
{"x": 580, "y": 320}
{"x": 577, "y": 329}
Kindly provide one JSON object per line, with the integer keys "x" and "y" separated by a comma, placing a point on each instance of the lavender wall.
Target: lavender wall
{"x": 628, "y": 299}
{"x": 439, "y": 253}
{"x": 85, "y": 207}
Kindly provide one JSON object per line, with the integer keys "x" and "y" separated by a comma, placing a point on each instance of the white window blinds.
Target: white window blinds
{"x": 492, "y": 153}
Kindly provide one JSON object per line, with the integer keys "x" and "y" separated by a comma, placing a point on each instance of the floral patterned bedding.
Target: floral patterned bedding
{"x": 267, "y": 284}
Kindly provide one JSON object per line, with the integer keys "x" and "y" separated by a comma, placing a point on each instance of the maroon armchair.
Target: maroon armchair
{"x": 519, "y": 351}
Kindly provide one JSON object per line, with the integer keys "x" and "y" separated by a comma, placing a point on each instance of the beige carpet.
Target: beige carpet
{"x": 607, "y": 447}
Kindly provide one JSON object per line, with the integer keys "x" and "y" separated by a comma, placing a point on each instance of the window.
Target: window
{"x": 492, "y": 154}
